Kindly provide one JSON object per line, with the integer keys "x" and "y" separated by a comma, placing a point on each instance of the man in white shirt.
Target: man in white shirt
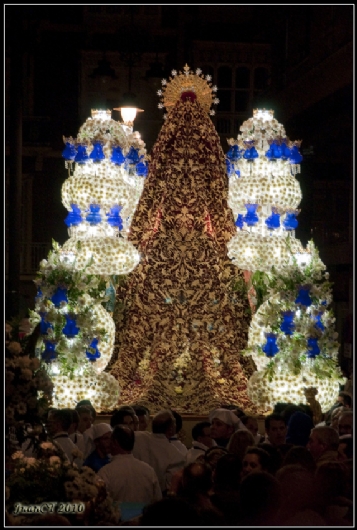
{"x": 127, "y": 478}
{"x": 156, "y": 450}
{"x": 58, "y": 423}
{"x": 80, "y": 433}
{"x": 174, "y": 440}
{"x": 202, "y": 440}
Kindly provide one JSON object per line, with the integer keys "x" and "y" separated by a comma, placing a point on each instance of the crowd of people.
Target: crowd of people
{"x": 297, "y": 473}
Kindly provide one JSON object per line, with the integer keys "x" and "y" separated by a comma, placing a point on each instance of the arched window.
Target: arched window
{"x": 261, "y": 78}
{"x": 242, "y": 77}
{"x": 241, "y": 100}
{"x": 223, "y": 126}
{"x": 224, "y": 77}
{"x": 224, "y": 97}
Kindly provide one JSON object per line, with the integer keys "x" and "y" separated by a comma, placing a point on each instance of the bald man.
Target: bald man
{"x": 155, "y": 448}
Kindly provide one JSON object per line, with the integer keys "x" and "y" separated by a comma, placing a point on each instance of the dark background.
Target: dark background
{"x": 310, "y": 87}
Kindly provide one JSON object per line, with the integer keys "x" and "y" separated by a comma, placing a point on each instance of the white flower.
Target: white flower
{"x": 208, "y": 77}
{"x": 173, "y": 72}
{"x": 14, "y": 347}
{"x": 30, "y": 461}
{"x": 198, "y": 71}
{"x": 47, "y": 445}
{"x": 18, "y": 455}
{"x": 163, "y": 82}
{"x": 212, "y": 112}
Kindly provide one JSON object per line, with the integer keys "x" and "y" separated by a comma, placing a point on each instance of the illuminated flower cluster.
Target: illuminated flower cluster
{"x": 286, "y": 387}
{"x": 298, "y": 316}
{"x": 107, "y": 256}
{"x": 76, "y": 332}
{"x": 254, "y": 251}
{"x": 108, "y": 162}
{"x": 264, "y": 194}
{"x": 100, "y": 388}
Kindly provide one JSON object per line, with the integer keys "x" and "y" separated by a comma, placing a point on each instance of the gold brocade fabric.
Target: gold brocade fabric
{"x": 183, "y": 314}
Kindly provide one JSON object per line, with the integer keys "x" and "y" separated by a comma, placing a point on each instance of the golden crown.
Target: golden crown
{"x": 188, "y": 81}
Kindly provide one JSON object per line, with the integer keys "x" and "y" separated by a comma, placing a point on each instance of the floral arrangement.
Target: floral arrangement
{"x": 24, "y": 379}
{"x": 264, "y": 194}
{"x": 83, "y": 294}
{"x": 102, "y": 194}
{"x": 76, "y": 332}
{"x": 50, "y": 478}
{"x": 297, "y": 317}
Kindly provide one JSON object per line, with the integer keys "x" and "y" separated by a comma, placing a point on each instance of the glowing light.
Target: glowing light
{"x": 110, "y": 256}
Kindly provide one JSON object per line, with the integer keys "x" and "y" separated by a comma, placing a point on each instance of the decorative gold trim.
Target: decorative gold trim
{"x": 188, "y": 81}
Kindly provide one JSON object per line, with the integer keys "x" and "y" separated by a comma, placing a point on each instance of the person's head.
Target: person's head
{"x": 87, "y": 403}
{"x": 58, "y": 420}
{"x": 289, "y": 410}
{"x": 298, "y": 487}
{"x": 255, "y": 459}
{"x": 75, "y": 422}
{"x": 275, "y": 428}
{"x": 335, "y": 415}
{"x": 178, "y": 421}
{"x": 275, "y": 456}
{"x": 322, "y": 439}
{"x": 212, "y": 455}
{"x": 331, "y": 479}
{"x": 122, "y": 440}
{"x": 345, "y": 423}
{"x": 143, "y": 415}
{"x": 125, "y": 415}
{"x": 345, "y": 399}
{"x": 345, "y": 448}
{"x": 299, "y": 455}
{"x": 260, "y": 499}
{"x": 227, "y": 473}
{"x": 279, "y": 407}
{"x": 329, "y": 413}
{"x": 223, "y": 424}
{"x": 239, "y": 441}
{"x": 234, "y": 408}
{"x": 201, "y": 432}
{"x": 86, "y": 418}
{"x": 251, "y": 423}
{"x": 196, "y": 479}
{"x": 299, "y": 428}
{"x": 102, "y": 433}
{"x": 164, "y": 423}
